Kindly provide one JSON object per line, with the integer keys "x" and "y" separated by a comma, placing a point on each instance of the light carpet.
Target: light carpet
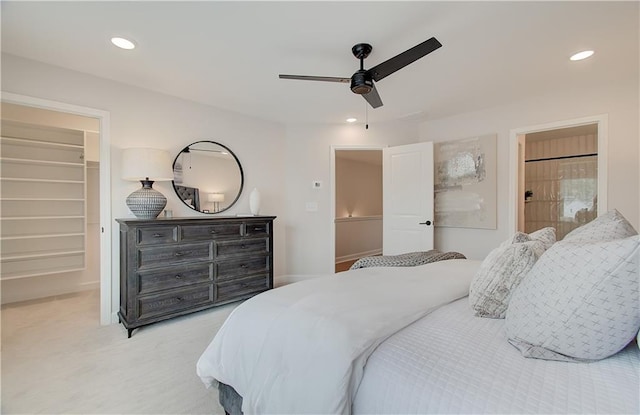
{"x": 57, "y": 359}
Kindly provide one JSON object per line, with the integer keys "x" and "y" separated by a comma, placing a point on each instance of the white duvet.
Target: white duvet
{"x": 302, "y": 348}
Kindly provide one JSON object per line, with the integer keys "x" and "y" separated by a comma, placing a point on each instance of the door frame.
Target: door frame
{"x": 332, "y": 193}
{"x": 602, "y": 122}
{"x": 103, "y": 117}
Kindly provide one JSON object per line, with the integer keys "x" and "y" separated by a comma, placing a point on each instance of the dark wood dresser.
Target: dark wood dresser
{"x": 175, "y": 266}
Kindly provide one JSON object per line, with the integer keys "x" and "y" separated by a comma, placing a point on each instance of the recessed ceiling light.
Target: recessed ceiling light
{"x": 123, "y": 43}
{"x": 581, "y": 55}
{"x": 352, "y": 119}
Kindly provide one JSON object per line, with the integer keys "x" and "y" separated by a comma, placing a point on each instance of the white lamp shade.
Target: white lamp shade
{"x": 140, "y": 163}
{"x": 215, "y": 197}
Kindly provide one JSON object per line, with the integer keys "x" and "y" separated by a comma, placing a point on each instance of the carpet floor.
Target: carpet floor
{"x": 57, "y": 359}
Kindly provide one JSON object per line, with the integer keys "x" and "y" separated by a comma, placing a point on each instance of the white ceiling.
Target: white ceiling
{"x": 229, "y": 54}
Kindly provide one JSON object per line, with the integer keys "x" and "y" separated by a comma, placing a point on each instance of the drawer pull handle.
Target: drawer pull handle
{"x": 157, "y": 235}
{"x": 179, "y": 298}
{"x": 257, "y": 229}
{"x": 178, "y": 277}
{"x": 213, "y": 231}
{"x": 243, "y": 246}
{"x": 243, "y": 266}
{"x": 179, "y": 254}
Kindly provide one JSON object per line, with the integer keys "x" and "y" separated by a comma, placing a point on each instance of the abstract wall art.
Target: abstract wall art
{"x": 465, "y": 183}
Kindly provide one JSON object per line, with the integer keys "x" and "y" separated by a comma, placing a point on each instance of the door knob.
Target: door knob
{"x": 428, "y": 222}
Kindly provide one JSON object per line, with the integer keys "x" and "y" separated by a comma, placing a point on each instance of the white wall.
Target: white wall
{"x": 282, "y": 162}
{"x": 619, "y": 101}
{"x": 143, "y": 118}
{"x": 358, "y": 200}
{"x": 308, "y": 158}
{"x": 358, "y": 187}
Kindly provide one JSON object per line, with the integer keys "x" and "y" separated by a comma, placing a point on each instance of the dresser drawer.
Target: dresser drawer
{"x": 174, "y": 254}
{"x": 149, "y": 282}
{"x": 156, "y": 236}
{"x": 174, "y": 301}
{"x": 238, "y": 268}
{"x": 241, "y": 288}
{"x": 210, "y": 231}
{"x": 257, "y": 229}
{"x": 240, "y": 247}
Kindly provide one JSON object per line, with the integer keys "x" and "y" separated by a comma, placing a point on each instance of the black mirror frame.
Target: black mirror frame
{"x": 173, "y": 183}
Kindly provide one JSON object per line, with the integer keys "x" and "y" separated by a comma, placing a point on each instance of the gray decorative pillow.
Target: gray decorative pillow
{"x": 612, "y": 225}
{"x": 545, "y": 235}
{"x": 580, "y": 301}
{"x": 499, "y": 274}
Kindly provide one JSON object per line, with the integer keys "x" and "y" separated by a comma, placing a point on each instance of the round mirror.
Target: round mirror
{"x": 207, "y": 177}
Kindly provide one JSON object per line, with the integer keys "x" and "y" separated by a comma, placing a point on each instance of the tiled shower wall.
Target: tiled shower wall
{"x": 564, "y": 186}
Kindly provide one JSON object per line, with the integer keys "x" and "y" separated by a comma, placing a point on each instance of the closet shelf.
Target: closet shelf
{"x": 44, "y": 254}
{"x": 43, "y": 216}
{"x": 58, "y": 270}
{"x": 39, "y": 143}
{"x": 4, "y": 218}
{"x": 20, "y": 179}
{"x": 41, "y": 162}
{"x": 40, "y": 199}
{"x": 39, "y": 236}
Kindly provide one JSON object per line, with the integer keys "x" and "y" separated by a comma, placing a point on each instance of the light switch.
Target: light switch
{"x": 316, "y": 184}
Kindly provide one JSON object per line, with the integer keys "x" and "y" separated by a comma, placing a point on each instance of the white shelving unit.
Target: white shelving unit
{"x": 43, "y": 200}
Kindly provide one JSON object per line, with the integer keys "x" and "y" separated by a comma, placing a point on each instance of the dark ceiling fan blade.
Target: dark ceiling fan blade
{"x": 373, "y": 98}
{"x": 316, "y": 78}
{"x": 389, "y": 66}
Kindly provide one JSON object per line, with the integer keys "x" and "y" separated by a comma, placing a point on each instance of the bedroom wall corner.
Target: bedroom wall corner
{"x": 618, "y": 100}
{"x": 308, "y": 158}
{"x": 143, "y": 118}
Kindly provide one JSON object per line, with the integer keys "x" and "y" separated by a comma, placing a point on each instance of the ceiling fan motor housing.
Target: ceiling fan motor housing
{"x": 361, "y": 82}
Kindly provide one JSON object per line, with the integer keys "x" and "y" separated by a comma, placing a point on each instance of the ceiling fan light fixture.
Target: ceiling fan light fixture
{"x": 351, "y": 120}
{"x": 361, "y": 82}
{"x": 581, "y": 55}
{"x": 123, "y": 43}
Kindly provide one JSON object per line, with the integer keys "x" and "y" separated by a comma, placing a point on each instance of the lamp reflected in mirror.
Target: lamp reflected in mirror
{"x": 215, "y": 199}
{"x": 207, "y": 177}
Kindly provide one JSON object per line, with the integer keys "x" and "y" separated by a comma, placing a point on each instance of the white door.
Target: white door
{"x": 407, "y": 198}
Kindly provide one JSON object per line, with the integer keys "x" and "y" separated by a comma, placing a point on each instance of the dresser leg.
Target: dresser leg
{"x": 129, "y": 333}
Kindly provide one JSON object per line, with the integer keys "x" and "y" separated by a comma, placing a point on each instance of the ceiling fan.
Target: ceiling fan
{"x": 362, "y": 80}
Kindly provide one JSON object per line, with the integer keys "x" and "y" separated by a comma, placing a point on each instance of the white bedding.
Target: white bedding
{"x": 301, "y": 348}
{"x": 452, "y": 362}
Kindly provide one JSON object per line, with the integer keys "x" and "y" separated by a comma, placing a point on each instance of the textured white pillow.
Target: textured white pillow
{"x": 499, "y": 274}
{"x": 504, "y": 268}
{"x": 545, "y": 235}
{"x": 612, "y": 225}
{"x": 580, "y": 301}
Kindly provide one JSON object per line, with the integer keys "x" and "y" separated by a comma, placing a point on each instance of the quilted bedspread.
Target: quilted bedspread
{"x": 302, "y": 348}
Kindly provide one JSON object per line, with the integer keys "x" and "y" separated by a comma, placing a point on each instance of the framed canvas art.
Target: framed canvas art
{"x": 465, "y": 183}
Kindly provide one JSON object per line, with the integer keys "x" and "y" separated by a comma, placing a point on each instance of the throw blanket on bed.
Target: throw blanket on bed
{"x": 411, "y": 259}
{"x": 301, "y": 348}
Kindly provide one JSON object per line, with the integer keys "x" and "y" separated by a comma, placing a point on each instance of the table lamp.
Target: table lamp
{"x": 146, "y": 165}
{"x": 215, "y": 198}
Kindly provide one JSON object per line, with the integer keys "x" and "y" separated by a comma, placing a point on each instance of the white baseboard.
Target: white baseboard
{"x": 358, "y": 255}
{"x": 281, "y": 280}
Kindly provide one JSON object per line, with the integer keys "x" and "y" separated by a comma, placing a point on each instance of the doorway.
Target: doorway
{"x": 558, "y": 175}
{"x": 560, "y": 179}
{"x": 357, "y": 204}
{"x": 102, "y": 214}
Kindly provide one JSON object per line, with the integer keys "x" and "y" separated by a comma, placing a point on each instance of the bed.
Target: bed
{"x": 446, "y": 357}
{"x": 189, "y": 195}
